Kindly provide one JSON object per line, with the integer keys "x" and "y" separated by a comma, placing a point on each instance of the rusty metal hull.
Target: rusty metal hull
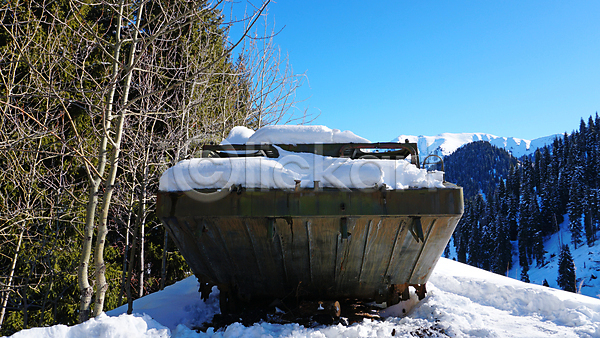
{"x": 325, "y": 244}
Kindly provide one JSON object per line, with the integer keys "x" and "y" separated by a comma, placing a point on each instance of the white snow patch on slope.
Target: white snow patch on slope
{"x": 586, "y": 259}
{"x": 446, "y": 143}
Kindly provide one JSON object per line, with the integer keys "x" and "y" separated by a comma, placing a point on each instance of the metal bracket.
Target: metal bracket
{"x": 441, "y": 161}
{"x": 416, "y": 229}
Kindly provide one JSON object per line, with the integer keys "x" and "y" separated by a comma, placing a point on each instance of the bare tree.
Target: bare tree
{"x": 165, "y": 22}
{"x": 271, "y": 94}
{"x": 33, "y": 164}
{"x": 102, "y": 98}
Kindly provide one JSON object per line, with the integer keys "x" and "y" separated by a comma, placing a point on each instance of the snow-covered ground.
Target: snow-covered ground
{"x": 446, "y": 143}
{"x": 462, "y": 301}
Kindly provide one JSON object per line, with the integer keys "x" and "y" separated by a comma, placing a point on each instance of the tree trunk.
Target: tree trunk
{"x": 138, "y": 222}
{"x": 101, "y": 284}
{"x": 86, "y": 251}
{"x": 126, "y": 252}
{"x": 142, "y": 216}
{"x": 163, "y": 268}
{"x": 82, "y": 275}
{"x": 10, "y": 277}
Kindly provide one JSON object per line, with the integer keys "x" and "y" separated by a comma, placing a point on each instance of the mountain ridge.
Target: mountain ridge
{"x": 446, "y": 143}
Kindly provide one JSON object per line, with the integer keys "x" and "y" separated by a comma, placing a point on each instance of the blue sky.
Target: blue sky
{"x": 524, "y": 69}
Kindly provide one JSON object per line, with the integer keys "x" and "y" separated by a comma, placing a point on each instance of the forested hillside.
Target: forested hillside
{"x": 529, "y": 202}
{"x": 478, "y": 167}
{"x": 96, "y": 101}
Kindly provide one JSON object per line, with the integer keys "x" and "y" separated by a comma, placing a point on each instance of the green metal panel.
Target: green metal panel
{"x": 327, "y": 202}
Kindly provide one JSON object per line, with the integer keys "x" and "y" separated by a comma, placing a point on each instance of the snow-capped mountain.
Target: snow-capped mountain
{"x": 446, "y": 143}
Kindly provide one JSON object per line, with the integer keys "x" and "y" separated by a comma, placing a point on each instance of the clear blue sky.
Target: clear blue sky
{"x": 524, "y": 69}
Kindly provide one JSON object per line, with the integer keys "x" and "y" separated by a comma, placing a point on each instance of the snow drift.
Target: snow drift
{"x": 462, "y": 302}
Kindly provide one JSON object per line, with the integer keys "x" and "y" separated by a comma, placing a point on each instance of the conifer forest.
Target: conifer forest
{"x": 524, "y": 200}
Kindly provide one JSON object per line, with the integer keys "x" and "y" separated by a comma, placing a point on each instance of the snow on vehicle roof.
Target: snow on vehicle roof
{"x": 287, "y": 134}
{"x": 283, "y": 172}
{"x": 291, "y": 167}
{"x": 238, "y": 135}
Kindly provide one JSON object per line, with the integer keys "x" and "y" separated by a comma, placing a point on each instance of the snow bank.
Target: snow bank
{"x": 462, "y": 301}
{"x": 103, "y": 326}
{"x": 177, "y": 304}
{"x": 489, "y": 305}
{"x": 282, "y": 172}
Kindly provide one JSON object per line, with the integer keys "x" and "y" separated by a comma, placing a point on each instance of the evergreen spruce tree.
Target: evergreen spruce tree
{"x": 475, "y": 250}
{"x": 537, "y": 236}
{"x": 564, "y": 174}
{"x": 538, "y": 170}
{"x": 461, "y": 250}
{"x": 486, "y": 232}
{"x": 587, "y": 161}
{"x": 575, "y": 209}
{"x": 513, "y": 195}
{"x": 527, "y": 215}
{"x": 502, "y": 255}
{"x": 588, "y": 227}
{"x": 462, "y": 234}
{"x": 525, "y": 274}
{"x": 596, "y": 188}
{"x": 566, "y": 270}
{"x": 582, "y": 139}
{"x": 592, "y": 162}
{"x": 503, "y": 252}
{"x": 555, "y": 182}
{"x": 590, "y": 147}
{"x": 548, "y": 199}
{"x": 523, "y": 238}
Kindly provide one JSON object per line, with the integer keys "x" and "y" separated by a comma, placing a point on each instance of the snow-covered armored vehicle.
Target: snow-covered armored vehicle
{"x": 310, "y": 221}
